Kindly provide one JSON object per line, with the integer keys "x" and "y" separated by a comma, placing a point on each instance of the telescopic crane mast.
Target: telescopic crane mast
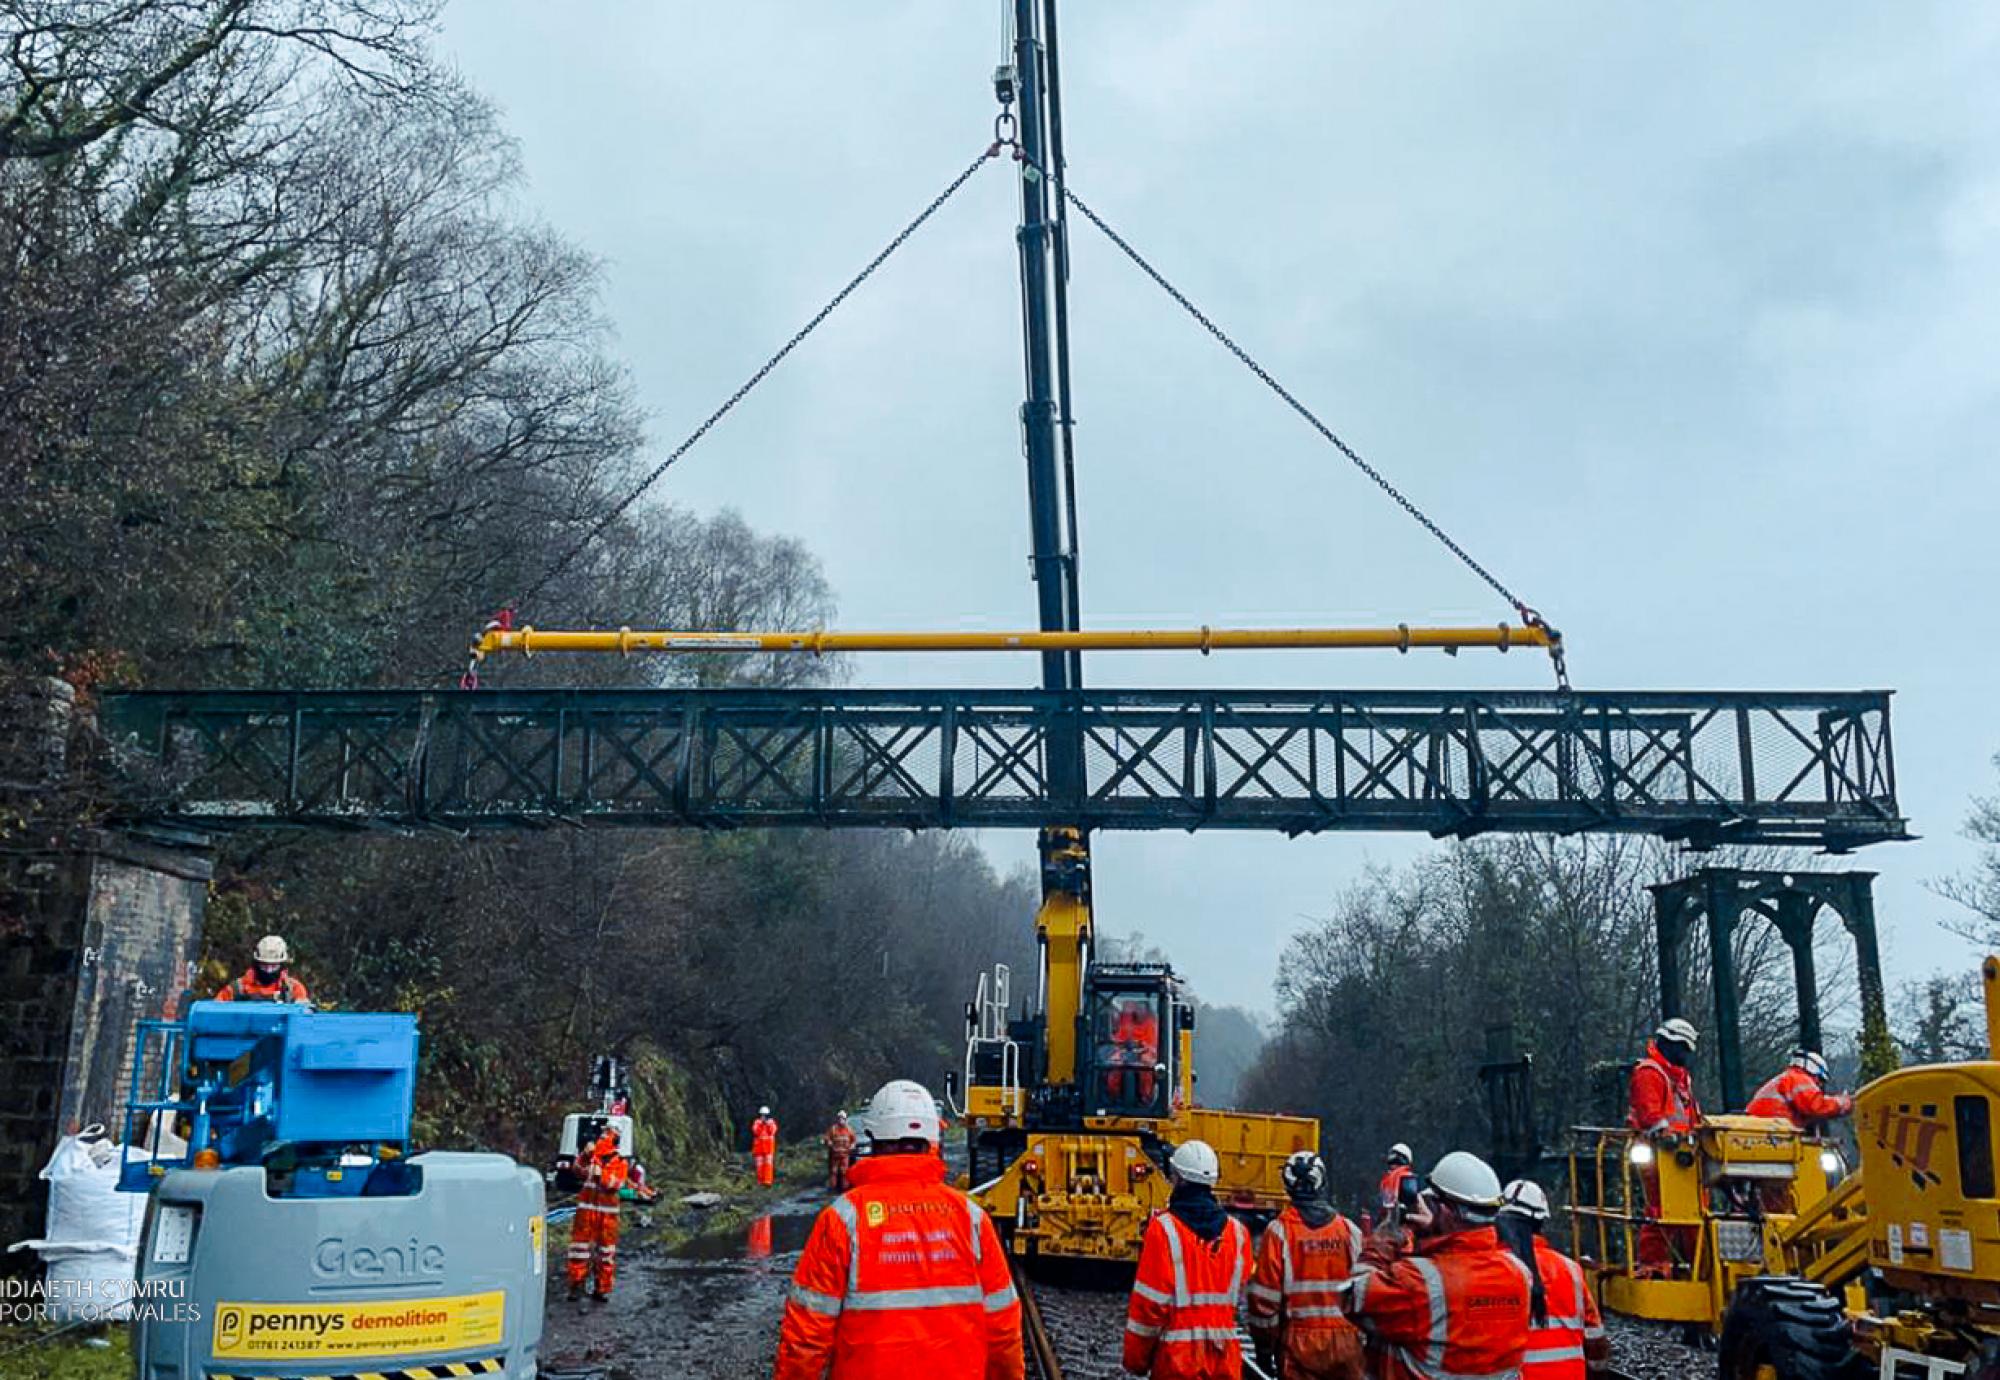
{"x": 1029, "y": 86}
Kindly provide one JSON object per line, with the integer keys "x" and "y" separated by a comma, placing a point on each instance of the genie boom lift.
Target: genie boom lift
{"x": 295, "y": 1233}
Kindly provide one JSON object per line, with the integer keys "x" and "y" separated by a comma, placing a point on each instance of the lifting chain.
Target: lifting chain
{"x": 1527, "y": 613}
{"x": 619, "y": 509}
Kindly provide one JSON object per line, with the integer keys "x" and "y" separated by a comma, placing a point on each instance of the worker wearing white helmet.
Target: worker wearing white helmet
{"x": 1567, "y": 1337}
{"x": 1396, "y": 1174}
{"x": 1193, "y": 1264}
{"x": 1798, "y": 1094}
{"x": 839, "y": 1139}
{"x": 764, "y": 1146}
{"x": 902, "y": 1275}
{"x": 1304, "y": 1256}
{"x": 1447, "y": 1298}
{"x": 1663, "y": 1109}
{"x": 267, "y": 978}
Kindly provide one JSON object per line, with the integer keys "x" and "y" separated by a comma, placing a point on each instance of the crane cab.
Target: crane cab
{"x": 1073, "y": 1169}
{"x": 1134, "y": 1052}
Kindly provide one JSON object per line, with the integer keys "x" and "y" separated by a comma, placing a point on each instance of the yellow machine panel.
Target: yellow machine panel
{"x": 1927, "y": 1156}
{"x": 1253, "y": 1147}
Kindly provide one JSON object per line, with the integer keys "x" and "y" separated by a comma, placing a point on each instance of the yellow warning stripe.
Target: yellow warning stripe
{"x": 445, "y": 1370}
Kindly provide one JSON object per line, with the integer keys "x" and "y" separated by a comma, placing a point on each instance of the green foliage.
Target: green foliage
{"x": 292, "y": 395}
{"x": 72, "y": 1355}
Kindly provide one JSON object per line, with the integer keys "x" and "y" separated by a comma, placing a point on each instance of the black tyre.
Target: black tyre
{"x": 1785, "y": 1328}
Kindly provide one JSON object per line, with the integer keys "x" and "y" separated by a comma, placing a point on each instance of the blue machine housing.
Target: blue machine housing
{"x": 325, "y": 1094}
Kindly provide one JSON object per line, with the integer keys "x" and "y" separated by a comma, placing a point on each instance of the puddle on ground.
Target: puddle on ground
{"x": 771, "y": 1234}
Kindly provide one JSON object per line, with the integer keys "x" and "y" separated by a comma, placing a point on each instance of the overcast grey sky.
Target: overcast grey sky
{"x": 1682, "y": 317}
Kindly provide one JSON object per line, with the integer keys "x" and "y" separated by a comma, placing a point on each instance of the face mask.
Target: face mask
{"x": 1675, "y": 1053}
{"x": 267, "y": 973}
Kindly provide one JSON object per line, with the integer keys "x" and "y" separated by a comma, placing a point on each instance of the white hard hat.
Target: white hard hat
{"x": 901, "y": 1110}
{"x": 763, "y": 1111}
{"x": 1194, "y": 1162}
{"x": 1524, "y": 1198}
{"x": 1811, "y": 1061}
{"x": 1305, "y": 1170}
{"x": 840, "y": 1117}
{"x": 271, "y": 949}
{"x": 1463, "y": 1178}
{"x": 1401, "y": 1153}
{"x": 1678, "y": 1031}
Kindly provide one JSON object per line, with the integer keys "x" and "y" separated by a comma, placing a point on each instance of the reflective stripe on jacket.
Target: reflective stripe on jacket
{"x": 1797, "y": 1097}
{"x": 901, "y": 1277}
{"x": 1457, "y": 1311}
{"x": 1296, "y": 1293}
{"x": 247, "y": 988}
{"x": 1181, "y": 1321}
{"x": 1661, "y": 1096}
{"x": 1557, "y": 1347}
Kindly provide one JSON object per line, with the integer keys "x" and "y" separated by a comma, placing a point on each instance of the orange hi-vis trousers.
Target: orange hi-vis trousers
{"x": 593, "y": 1239}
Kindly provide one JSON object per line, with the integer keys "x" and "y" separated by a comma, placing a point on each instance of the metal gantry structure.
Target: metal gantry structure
{"x": 1813, "y": 769}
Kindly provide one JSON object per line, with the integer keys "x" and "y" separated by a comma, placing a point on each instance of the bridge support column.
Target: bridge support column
{"x": 98, "y": 930}
{"x": 1792, "y": 902}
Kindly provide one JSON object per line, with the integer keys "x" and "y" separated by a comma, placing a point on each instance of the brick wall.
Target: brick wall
{"x": 93, "y": 937}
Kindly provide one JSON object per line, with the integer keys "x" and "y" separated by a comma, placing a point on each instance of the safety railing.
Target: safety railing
{"x": 988, "y": 1033}
{"x": 1604, "y": 1212}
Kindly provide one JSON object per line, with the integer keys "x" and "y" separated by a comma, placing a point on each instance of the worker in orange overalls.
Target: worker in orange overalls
{"x": 764, "y": 1146}
{"x": 903, "y": 1275}
{"x": 1135, "y": 1044}
{"x": 839, "y": 1152}
{"x": 1566, "y": 1339}
{"x": 593, "y": 1233}
{"x": 1395, "y": 1171}
{"x": 1296, "y": 1319}
{"x": 1664, "y": 1111}
{"x": 1193, "y": 1264}
{"x": 1799, "y": 1095}
{"x": 267, "y": 978}
{"x": 1442, "y": 1296}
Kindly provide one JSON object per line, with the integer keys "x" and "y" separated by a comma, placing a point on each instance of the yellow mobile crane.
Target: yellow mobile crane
{"x": 1073, "y": 1105}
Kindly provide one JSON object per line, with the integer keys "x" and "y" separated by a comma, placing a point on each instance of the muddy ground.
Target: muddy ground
{"x": 707, "y": 1307}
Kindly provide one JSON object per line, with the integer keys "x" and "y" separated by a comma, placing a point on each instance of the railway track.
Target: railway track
{"x": 1078, "y": 1337}
{"x": 1043, "y": 1363}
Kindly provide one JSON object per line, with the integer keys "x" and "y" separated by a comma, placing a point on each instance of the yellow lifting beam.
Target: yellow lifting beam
{"x": 1401, "y": 638}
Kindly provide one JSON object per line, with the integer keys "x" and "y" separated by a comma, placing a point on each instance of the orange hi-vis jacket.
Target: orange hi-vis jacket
{"x": 1181, "y": 1321}
{"x": 763, "y": 1136}
{"x": 1560, "y": 1347}
{"x": 901, "y": 1277}
{"x": 1296, "y": 1292}
{"x": 839, "y": 1141}
{"x": 1456, "y": 1310}
{"x": 1661, "y": 1096}
{"x": 247, "y": 988}
{"x": 1796, "y": 1096}
{"x": 1392, "y": 1184}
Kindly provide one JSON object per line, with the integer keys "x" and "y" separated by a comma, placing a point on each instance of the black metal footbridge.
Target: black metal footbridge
{"x": 1705, "y": 768}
